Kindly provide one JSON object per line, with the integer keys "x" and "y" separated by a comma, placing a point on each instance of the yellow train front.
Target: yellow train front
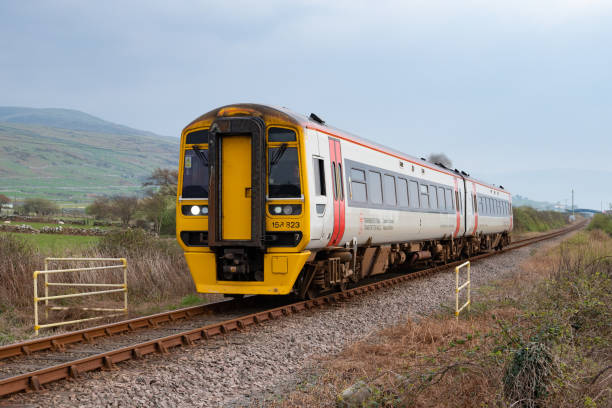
{"x": 242, "y": 217}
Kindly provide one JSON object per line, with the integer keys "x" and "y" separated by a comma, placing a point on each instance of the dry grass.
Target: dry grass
{"x": 542, "y": 338}
{"x": 158, "y": 279}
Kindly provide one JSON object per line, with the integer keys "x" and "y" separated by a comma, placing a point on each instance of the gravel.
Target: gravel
{"x": 263, "y": 362}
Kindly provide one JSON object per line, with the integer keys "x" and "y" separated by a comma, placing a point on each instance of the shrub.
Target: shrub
{"x": 527, "y": 375}
{"x": 601, "y": 222}
{"x": 527, "y": 219}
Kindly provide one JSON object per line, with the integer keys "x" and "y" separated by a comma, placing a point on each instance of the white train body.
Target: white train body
{"x": 417, "y": 200}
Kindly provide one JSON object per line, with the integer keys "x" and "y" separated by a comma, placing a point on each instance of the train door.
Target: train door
{"x": 236, "y": 182}
{"x": 337, "y": 173}
{"x": 322, "y": 214}
{"x": 474, "y": 225}
{"x": 457, "y": 208}
{"x": 469, "y": 208}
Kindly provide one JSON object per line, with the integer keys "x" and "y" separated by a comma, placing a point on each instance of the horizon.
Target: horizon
{"x": 504, "y": 90}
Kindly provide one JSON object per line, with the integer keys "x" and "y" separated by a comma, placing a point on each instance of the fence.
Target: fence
{"x": 120, "y": 287}
{"x": 459, "y": 288}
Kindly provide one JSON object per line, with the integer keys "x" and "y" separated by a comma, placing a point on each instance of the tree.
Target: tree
{"x": 39, "y": 206}
{"x": 124, "y": 208}
{"x": 154, "y": 206}
{"x": 100, "y": 208}
{"x": 160, "y": 194}
{"x": 165, "y": 181}
{"x": 4, "y": 199}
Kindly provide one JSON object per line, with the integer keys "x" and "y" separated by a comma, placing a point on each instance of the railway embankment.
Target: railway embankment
{"x": 529, "y": 220}
{"x": 540, "y": 335}
{"x": 263, "y": 365}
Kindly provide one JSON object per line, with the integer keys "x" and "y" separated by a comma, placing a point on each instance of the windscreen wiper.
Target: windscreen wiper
{"x": 200, "y": 154}
{"x": 278, "y": 155}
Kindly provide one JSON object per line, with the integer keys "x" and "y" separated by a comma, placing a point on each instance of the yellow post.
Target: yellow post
{"x": 36, "y": 327}
{"x": 125, "y": 293}
{"x": 46, "y": 289}
{"x": 459, "y": 288}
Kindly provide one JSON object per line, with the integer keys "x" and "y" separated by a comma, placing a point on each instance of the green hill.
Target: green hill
{"x": 71, "y": 156}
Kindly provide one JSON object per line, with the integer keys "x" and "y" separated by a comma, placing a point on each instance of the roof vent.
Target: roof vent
{"x": 465, "y": 174}
{"x": 317, "y": 119}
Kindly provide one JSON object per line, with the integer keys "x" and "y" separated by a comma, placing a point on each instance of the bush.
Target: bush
{"x": 527, "y": 375}
{"x": 601, "y": 222}
{"x": 527, "y": 219}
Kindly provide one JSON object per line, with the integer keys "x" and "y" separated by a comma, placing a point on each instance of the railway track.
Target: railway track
{"x": 69, "y": 355}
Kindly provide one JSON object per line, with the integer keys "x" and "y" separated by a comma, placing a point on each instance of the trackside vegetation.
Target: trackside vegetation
{"x": 542, "y": 338}
{"x": 527, "y": 219}
{"x": 158, "y": 277}
{"x": 601, "y": 222}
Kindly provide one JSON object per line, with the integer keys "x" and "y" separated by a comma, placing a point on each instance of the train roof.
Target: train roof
{"x": 314, "y": 122}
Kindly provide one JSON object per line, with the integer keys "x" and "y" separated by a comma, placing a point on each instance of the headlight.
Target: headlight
{"x": 194, "y": 210}
{"x": 285, "y": 209}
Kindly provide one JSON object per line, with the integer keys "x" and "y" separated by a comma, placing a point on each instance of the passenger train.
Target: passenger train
{"x": 272, "y": 202}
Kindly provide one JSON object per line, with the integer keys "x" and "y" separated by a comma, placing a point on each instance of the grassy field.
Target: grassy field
{"x": 541, "y": 339}
{"x": 58, "y": 245}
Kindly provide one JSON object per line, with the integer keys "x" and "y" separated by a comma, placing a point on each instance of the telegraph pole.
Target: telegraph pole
{"x": 573, "y": 203}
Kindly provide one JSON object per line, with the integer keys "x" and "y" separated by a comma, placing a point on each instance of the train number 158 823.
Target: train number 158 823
{"x": 286, "y": 224}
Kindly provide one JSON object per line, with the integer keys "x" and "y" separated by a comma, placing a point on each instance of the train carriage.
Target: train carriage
{"x": 272, "y": 202}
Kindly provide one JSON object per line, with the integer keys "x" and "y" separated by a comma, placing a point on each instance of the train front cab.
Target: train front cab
{"x": 242, "y": 206}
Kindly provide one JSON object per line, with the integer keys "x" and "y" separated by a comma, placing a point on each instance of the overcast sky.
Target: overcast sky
{"x": 500, "y": 87}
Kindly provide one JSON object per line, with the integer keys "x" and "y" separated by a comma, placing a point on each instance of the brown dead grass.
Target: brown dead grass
{"x": 438, "y": 362}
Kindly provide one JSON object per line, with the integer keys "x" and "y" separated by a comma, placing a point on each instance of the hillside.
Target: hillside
{"x": 71, "y": 156}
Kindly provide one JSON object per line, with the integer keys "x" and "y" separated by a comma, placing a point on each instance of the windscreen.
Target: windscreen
{"x": 283, "y": 172}
{"x": 195, "y": 174}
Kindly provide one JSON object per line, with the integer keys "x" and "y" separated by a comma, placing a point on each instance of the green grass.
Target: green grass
{"x": 58, "y": 244}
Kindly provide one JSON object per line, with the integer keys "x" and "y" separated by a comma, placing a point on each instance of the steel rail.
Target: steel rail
{"x": 36, "y": 379}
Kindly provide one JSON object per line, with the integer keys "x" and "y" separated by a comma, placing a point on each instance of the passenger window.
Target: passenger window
{"x": 280, "y": 135}
{"x": 449, "y": 199}
{"x": 441, "y": 203}
{"x": 413, "y": 194}
{"x": 389, "y": 190}
{"x": 375, "y": 187}
{"x": 334, "y": 181}
{"x": 319, "y": 168}
{"x": 358, "y": 186}
{"x": 402, "y": 192}
{"x": 433, "y": 197}
{"x": 340, "y": 183}
{"x": 424, "y": 196}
